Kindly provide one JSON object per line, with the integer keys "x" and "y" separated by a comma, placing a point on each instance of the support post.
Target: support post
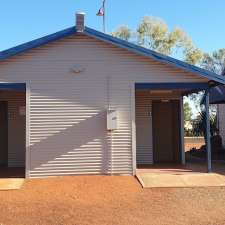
{"x": 133, "y": 127}
{"x": 182, "y": 130}
{"x": 27, "y": 153}
{"x": 208, "y": 141}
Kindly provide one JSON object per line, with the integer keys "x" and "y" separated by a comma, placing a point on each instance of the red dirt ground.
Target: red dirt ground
{"x": 90, "y": 200}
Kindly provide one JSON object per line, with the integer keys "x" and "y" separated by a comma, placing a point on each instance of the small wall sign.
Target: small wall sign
{"x": 22, "y": 110}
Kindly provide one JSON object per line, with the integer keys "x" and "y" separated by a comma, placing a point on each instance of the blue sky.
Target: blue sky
{"x": 24, "y": 20}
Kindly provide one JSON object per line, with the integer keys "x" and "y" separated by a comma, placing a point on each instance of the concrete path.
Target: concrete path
{"x": 167, "y": 180}
{"x": 11, "y": 183}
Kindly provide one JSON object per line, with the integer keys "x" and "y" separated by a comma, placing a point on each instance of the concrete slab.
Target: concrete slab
{"x": 161, "y": 180}
{"x": 11, "y": 184}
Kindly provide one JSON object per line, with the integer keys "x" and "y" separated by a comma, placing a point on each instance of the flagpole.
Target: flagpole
{"x": 102, "y": 12}
{"x": 104, "y": 25}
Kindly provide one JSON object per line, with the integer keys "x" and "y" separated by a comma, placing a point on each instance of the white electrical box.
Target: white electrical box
{"x": 111, "y": 119}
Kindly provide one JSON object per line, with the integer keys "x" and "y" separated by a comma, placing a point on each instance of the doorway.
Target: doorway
{"x": 3, "y": 133}
{"x": 12, "y": 130}
{"x": 166, "y": 131}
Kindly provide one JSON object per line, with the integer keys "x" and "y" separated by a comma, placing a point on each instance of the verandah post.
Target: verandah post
{"x": 208, "y": 141}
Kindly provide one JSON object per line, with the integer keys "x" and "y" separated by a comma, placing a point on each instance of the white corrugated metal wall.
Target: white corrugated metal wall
{"x": 144, "y": 128}
{"x": 68, "y": 111}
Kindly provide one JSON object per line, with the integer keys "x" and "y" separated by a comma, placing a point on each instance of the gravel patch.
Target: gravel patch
{"x": 109, "y": 200}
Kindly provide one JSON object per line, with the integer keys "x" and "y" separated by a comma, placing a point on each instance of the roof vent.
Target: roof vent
{"x": 80, "y": 17}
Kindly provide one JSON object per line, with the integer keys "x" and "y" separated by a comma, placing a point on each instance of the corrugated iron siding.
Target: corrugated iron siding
{"x": 144, "y": 128}
{"x": 16, "y": 127}
{"x": 68, "y": 111}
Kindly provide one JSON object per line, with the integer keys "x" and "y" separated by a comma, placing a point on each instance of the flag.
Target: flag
{"x": 101, "y": 11}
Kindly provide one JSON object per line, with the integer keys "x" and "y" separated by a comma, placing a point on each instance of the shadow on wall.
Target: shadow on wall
{"x": 79, "y": 148}
{"x": 68, "y": 132}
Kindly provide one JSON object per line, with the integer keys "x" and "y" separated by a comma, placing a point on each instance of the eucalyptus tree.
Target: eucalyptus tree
{"x": 153, "y": 33}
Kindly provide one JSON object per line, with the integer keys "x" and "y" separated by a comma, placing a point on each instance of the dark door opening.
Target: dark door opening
{"x": 166, "y": 131}
{"x": 3, "y": 133}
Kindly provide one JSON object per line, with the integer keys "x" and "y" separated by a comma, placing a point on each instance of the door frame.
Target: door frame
{"x": 147, "y": 85}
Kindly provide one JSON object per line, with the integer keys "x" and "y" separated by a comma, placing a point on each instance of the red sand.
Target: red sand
{"x": 84, "y": 200}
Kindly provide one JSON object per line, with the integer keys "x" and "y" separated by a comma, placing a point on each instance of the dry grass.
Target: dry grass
{"x": 84, "y": 200}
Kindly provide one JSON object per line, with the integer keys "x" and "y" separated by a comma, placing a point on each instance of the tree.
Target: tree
{"x": 193, "y": 55}
{"x": 199, "y": 125}
{"x": 123, "y": 32}
{"x": 153, "y": 33}
{"x": 214, "y": 62}
{"x": 187, "y": 112}
{"x": 187, "y": 119}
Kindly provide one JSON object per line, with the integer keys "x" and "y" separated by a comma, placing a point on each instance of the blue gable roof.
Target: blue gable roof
{"x": 36, "y": 43}
{"x": 117, "y": 42}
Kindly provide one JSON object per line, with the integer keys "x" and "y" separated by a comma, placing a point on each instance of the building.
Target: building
{"x": 83, "y": 102}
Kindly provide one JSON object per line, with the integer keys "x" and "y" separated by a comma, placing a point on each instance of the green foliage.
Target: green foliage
{"x": 154, "y": 33}
{"x": 199, "y": 125}
{"x": 187, "y": 112}
{"x": 214, "y": 62}
{"x": 123, "y": 32}
{"x": 193, "y": 55}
